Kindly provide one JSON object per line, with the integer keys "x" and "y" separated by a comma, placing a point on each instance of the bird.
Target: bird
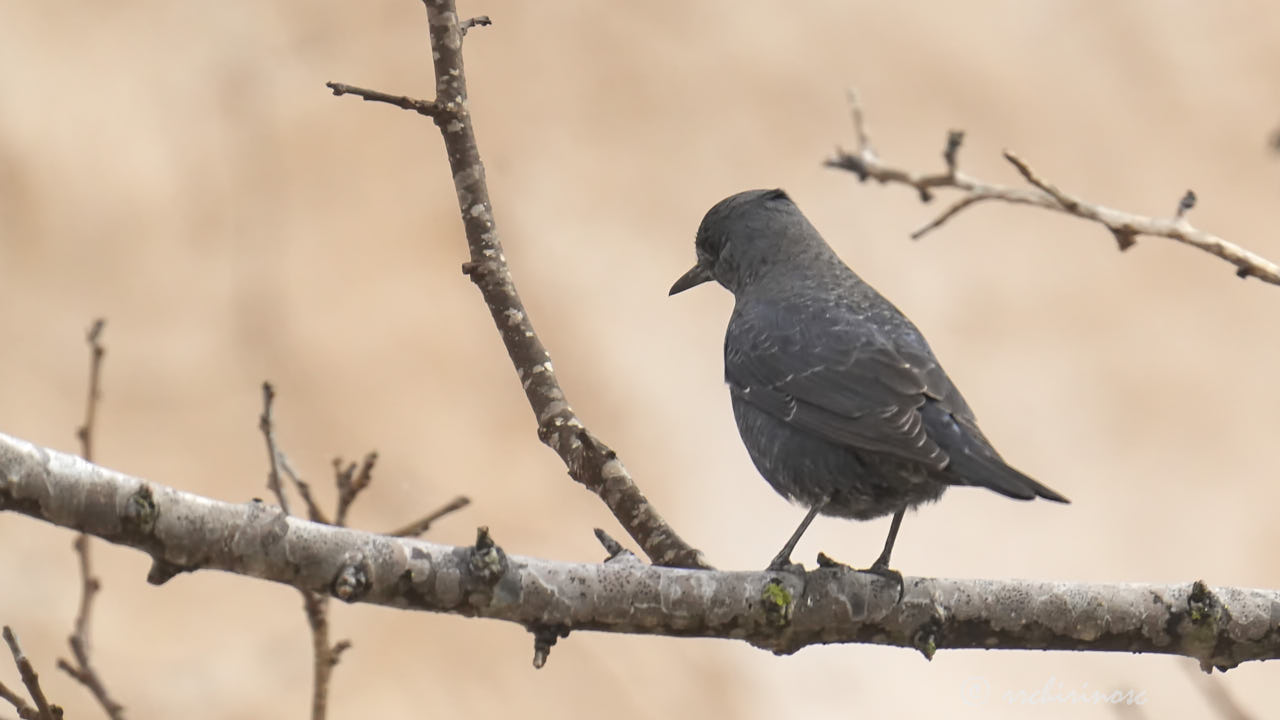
{"x": 838, "y": 398}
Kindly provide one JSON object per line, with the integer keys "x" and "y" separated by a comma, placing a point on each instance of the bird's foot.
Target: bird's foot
{"x": 782, "y": 563}
{"x": 877, "y": 568}
{"x": 893, "y": 576}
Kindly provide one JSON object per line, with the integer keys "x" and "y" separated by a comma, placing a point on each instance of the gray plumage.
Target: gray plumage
{"x": 839, "y": 400}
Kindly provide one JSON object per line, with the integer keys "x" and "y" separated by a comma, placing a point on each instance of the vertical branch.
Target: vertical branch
{"x": 351, "y": 479}
{"x": 267, "y": 425}
{"x": 83, "y": 670}
{"x": 590, "y": 461}
{"x": 44, "y": 710}
{"x": 97, "y": 351}
{"x": 315, "y": 605}
{"x": 326, "y": 656}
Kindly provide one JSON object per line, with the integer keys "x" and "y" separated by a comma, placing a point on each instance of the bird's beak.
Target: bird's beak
{"x": 697, "y": 275}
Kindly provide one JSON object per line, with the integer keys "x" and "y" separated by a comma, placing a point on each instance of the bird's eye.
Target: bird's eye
{"x": 709, "y": 246}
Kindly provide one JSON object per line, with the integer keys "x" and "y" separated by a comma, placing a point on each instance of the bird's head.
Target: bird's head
{"x": 745, "y": 235}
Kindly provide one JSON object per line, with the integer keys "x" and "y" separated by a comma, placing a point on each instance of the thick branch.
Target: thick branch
{"x": 1125, "y": 227}
{"x": 778, "y": 611}
{"x": 589, "y": 460}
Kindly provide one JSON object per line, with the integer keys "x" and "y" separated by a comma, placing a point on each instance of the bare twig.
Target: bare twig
{"x": 1125, "y": 227}
{"x": 351, "y": 479}
{"x": 589, "y": 460}
{"x": 19, "y": 703}
{"x": 267, "y": 426}
{"x": 279, "y": 461}
{"x": 315, "y": 605}
{"x": 97, "y": 351}
{"x": 469, "y": 23}
{"x": 83, "y": 670}
{"x": 304, "y": 490}
{"x": 611, "y": 546}
{"x": 422, "y": 107}
{"x": 325, "y": 655}
{"x": 31, "y": 679}
{"x": 90, "y": 588}
{"x": 423, "y": 524}
{"x": 544, "y": 637}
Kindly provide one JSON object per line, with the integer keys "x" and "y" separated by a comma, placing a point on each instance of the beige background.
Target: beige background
{"x": 180, "y": 169}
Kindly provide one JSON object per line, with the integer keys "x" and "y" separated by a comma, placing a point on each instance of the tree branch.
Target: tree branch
{"x": 267, "y": 426}
{"x": 424, "y": 523}
{"x": 84, "y": 433}
{"x": 590, "y": 461}
{"x": 83, "y": 670}
{"x": 44, "y": 710}
{"x": 350, "y": 480}
{"x": 777, "y": 611}
{"x": 1125, "y": 227}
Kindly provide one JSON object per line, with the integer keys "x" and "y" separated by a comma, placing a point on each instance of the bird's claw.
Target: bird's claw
{"x": 883, "y": 570}
{"x": 784, "y": 564}
{"x": 877, "y": 568}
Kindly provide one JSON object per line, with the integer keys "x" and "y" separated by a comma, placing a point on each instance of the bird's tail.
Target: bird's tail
{"x": 993, "y": 473}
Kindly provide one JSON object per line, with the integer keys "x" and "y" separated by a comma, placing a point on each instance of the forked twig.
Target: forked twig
{"x": 589, "y": 460}
{"x": 82, "y": 670}
{"x": 1125, "y": 227}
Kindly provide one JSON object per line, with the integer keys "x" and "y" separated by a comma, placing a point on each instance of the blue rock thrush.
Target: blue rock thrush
{"x": 838, "y": 398}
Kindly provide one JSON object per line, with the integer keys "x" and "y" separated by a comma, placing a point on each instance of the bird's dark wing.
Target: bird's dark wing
{"x": 832, "y": 374}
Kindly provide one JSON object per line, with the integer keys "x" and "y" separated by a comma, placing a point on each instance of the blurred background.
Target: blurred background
{"x": 180, "y": 169}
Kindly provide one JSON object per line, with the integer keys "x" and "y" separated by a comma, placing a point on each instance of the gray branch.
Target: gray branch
{"x": 776, "y": 611}
{"x": 590, "y": 461}
{"x": 1124, "y": 226}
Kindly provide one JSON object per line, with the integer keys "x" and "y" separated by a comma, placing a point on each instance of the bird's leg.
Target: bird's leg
{"x": 782, "y": 561}
{"x": 881, "y": 565}
{"x": 882, "y": 562}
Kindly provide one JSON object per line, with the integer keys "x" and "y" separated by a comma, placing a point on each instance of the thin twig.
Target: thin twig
{"x": 267, "y": 426}
{"x": 611, "y": 546}
{"x": 422, "y": 107}
{"x": 423, "y": 524}
{"x": 83, "y": 670}
{"x": 315, "y": 605}
{"x": 19, "y": 703}
{"x": 280, "y": 461}
{"x": 97, "y": 351}
{"x": 469, "y": 23}
{"x": 90, "y": 586}
{"x": 31, "y": 679}
{"x": 304, "y": 489}
{"x": 351, "y": 479}
{"x": 325, "y": 655}
{"x": 1125, "y": 227}
{"x": 589, "y": 460}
